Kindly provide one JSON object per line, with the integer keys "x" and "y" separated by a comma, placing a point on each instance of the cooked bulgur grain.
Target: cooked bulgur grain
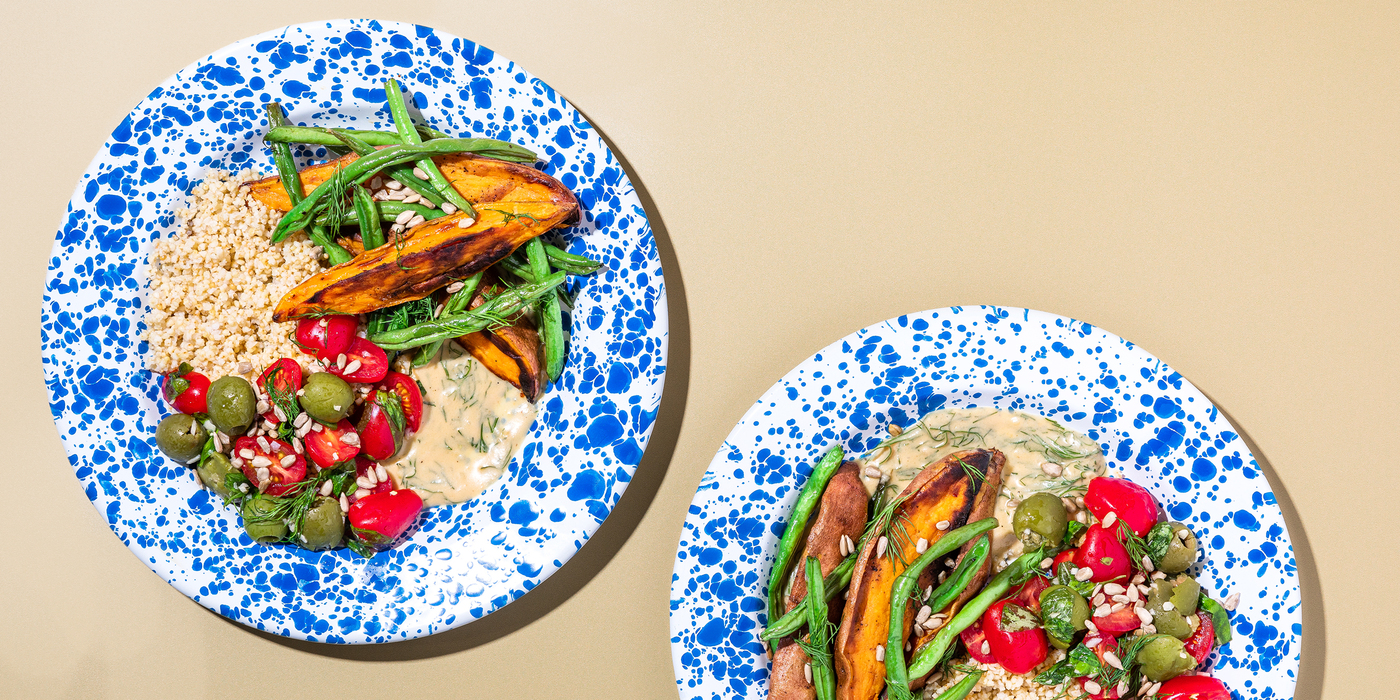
{"x": 999, "y": 684}
{"x": 214, "y": 283}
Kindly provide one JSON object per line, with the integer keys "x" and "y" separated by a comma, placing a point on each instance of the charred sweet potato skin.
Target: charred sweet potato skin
{"x": 427, "y": 257}
{"x": 842, "y": 512}
{"x": 513, "y": 353}
{"x": 788, "y": 681}
{"x": 942, "y": 492}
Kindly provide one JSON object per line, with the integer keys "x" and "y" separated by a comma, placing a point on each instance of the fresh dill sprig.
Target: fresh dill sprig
{"x": 1058, "y": 453}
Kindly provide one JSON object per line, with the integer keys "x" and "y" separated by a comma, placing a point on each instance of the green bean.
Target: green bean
{"x": 493, "y": 312}
{"x": 807, "y": 499}
{"x": 962, "y": 688}
{"x": 818, "y": 645}
{"x": 570, "y": 263}
{"x": 456, "y": 303}
{"x": 401, "y": 173}
{"x": 929, "y": 655}
{"x": 291, "y": 182}
{"x": 835, "y": 582}
{"x": 962, "y": 576}
{"x": 367, "y": 212}
{"x": 403, "y": 123}
{"x": 428, "y": 132}
{"x": 363, "y": 169}
{"x": 548, "y": 314}
{"x": 491, "y": 148}
{"x": 388, "y": 211}
{"x": 322, "y": 137}
{"x": 896, "y": 675}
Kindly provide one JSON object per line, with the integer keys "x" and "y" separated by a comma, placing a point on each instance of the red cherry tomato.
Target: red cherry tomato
{"x": 372, "y": 365}
{"x": 410, "y": 398}
{"x": 1105, "y": 644}
{"x": 1133, "y": 504}
{"x": 286, "y": 377}
{"x": 1028, "y": 595}
{"x": 326, "y": 337}
{"x": 1202, "y": 641}
{"x": 187, "y": 396}
{"x": 280, "y": 477}
{"x": 1019, "y": 651}
{"x": 387, "y": 515}
{"x": 976, "y": 642}
{"x": 363, "y": 466}
{"x": 1193, "y": 688}
{"x": 1117, "y": 623}
{"x": 1062, "y": 557}
{"x": 1104, "y": 554}
{"x": 328, "y": 446}
{"x": 380, "y": 435}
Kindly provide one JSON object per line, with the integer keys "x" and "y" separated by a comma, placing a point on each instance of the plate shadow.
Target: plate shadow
{"x": 1313, "y": 655}
{"x": 615, "y": 530}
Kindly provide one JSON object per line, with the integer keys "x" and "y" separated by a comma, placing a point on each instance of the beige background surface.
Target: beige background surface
{"x": 1215, "y": 181}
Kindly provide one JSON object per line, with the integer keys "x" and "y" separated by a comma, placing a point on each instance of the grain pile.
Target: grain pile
{"x": 999, "y": 684}
{"x": 214, "y": 283}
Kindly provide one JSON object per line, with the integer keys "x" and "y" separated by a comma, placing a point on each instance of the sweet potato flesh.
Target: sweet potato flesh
{"x": 942, "y": 492}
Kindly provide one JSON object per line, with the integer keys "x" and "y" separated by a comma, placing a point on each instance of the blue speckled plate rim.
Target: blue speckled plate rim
{"x": 755, "y": 414}
{"x": 659, "y": 328}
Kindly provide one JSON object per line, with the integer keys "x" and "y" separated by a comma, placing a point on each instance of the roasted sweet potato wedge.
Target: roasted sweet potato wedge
{"x": 984, "y": 506}
{"x": 945, "y": 492}
{"x": 788, "y": 681}
{"x": 427, "y": 257}
{"x": 513, "y": 353}
{"x": 480, "y": 180}
{"x": 841, "y": 512}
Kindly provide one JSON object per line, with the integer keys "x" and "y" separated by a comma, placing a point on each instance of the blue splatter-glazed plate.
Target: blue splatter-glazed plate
{"x": 1153, "y": 425}
{"x": 464, "y": 561}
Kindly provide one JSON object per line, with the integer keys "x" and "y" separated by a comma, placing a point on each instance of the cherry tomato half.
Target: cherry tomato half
{"x": 1132, "y": 503}
{"x": 363, "y": 466}
{"x": 976, "y": 643}
{"x": 410, "y": 398}
{"x": 185, "y": 392}
{"x": 328, "y": 446}
{"x": 1104, "y": 645}
{"x": 1062, "y": 557}
{"x": 327, "y": 336}
{"x": 1028, "y": 595}
{"x": 365, "y": 360}
{"x": 285, "y": 378}
{"x": 1202, "y": 641}
{"x": 1116, "y": 623}
{"x": 1193, "y": 688}
{"x": 388, "y": 515}
{"x": 1018, "y": 651}
{"x": 380, "y": 435}
{"x": 1104, "y": 554}
{"x": 280, "y": 477}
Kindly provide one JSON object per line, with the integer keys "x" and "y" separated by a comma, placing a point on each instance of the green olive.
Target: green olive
{"x": 1186, "y": 593}
{"x": 323, "y": 526}
{"x": 181, "y": 437}
{"x": 1164, "y": 658}
{"x": 255, "y": 522}
{"x": 1063, "y": 603}
{"x": 327, "y": 398}
{"x": 1167, "y": 621}
{"x": 1181, "y": 550}
{"x": 212, "y": 471}
{"x": 1040, "y": 518}
{"x": 233, "y": 405}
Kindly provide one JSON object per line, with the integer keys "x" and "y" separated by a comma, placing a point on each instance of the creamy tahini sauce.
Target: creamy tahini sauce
{"x": 473, "y": 422}
{"x": 1041, "y": 455}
